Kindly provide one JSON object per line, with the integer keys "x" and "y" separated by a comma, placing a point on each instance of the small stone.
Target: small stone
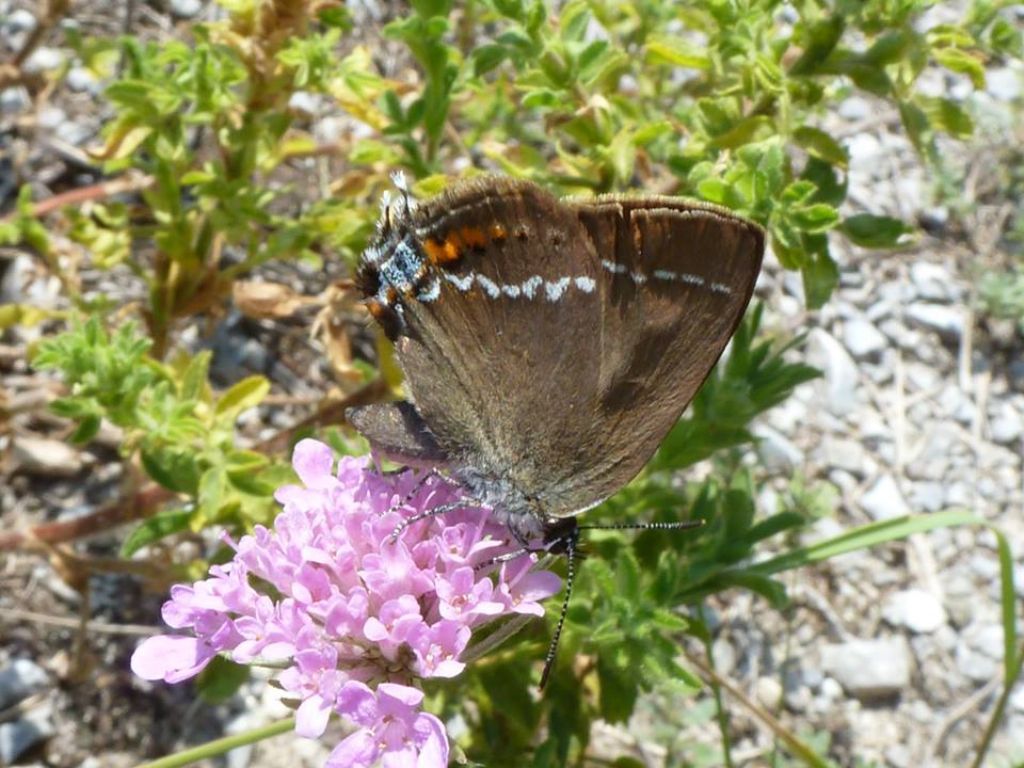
{"x": 854, "y": 108}
{"x": 884, "y": 500}
{"x": 931, "y": 281}
{"x": 840, "y": 371}
{"x": 916, "y": 609}
{"x": 768, "y": 691}
{"x": 1017, "y": 698}
{"x": 14, "y": 100}
{"x": 974, "y": 665}
{"x": 19, "y": 20}
{"x": 42, "y": 60}
{"x": 1016, "y": 372}
{"x": 862, "y": 339}
{"x": 987, "y": 639}
{"x": 864, "y": 149}
{"x": 45, "y": 457}
{"x": 898, "y": 756}
{"x": 777, "y": 452}
{"x": 798, "y": 699}
{"x": 724, "y": 655}
{"x": 185, "y": 9}
{"x": 831, "y": 690}
{"x": 51, "y": 118}
{"x": 959, "y": 494}
{"x": 845, "y": 454}
{"x": 82, "y": 80}
{"x": 869, "y": 669}
{"x": 304, "y": 101}
{"x": 927, "y": 495}
{"x": 1005, "y": 424}
{"x": 19, "y": 679}
{"x": 1004, "y": 83}
{"x": 946, "y": 321}
{"x": 19, "y": 736}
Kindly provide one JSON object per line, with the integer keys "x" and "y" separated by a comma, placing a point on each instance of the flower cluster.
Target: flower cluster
{"x": 353, "y": 615}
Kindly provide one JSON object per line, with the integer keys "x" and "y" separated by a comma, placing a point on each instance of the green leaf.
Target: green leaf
{"x": 248, "y": 393}
{"x": 821, "y": 40}
{"x": 820, "y": 275}
{"x": 870, "y": 231}
{"x": 159, "y": 526}
{"x": 488, "y": 57}
{"x": 87, "y": 429}
{"x": 675, "y": 52}
{"x": 747, "y": 131}
{"x": 618, "y": 689}
{"x": 176, "y": 469}
{"x": 890, "y": 47}
{"x": 962, "y": 63}
{"x": 946, "y": 115}
{"x": 821, "y": 145}
{"x": 816, "y": 218}
{"x": 221, "y": 679}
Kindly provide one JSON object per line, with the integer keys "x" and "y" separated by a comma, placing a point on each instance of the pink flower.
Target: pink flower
{"x": 356, "y": 618}
{"x": 394, "y": 730}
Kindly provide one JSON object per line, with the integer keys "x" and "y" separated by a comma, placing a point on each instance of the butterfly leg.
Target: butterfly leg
{"x": 440, "y": 510}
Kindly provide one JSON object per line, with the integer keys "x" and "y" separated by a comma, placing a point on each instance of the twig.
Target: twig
{"x": 792, "y": 742}
{"x": 959, "y": 712}
{"x": 128, "y": 183}
{"x": 141, "y": 503}
{"x": 17, "y": 614}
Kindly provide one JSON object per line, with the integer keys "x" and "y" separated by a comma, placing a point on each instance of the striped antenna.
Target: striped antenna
{"x": 569, "y": 541}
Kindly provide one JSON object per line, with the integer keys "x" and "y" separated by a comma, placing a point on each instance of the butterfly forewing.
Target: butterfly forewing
{"x": 551, "y": 345}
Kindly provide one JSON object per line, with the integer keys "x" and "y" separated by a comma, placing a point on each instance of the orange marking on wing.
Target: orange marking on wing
{"x": 441, "y": 251}
{"x": 498, "y": 232}
{"x": 376, "y": 309}
{"x": 472, "y": 237}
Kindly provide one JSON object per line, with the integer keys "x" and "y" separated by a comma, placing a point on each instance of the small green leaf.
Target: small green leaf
{"x": 87, "y": 429}
{"x": 816, "y": 218}
{"x": 747, "y": 131}
{"x": 962, "y": 63}
{"x": 820, "y": 274}
{"x": 870, "y": 231}
{"x": 822, "y": 145}
{"x": 159, "y": 526}
{"x": 173, "y": 468}
{"x": 488, "y": 57}
{"x": 221, "y": 679}
{"x": 618, "y": 689}
{"x": 248, "y": 393}
{"x": 946, "y": 115}
{"x": 676, "y": 53}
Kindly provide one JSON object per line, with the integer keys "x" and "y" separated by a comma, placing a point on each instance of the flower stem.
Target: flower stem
{"x": 220, "y": 746}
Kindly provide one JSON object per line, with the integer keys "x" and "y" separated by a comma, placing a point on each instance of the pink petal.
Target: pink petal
{"x": 357, "y": 702}
{"x": 170, "y": 658}
{"x": 313, "y": 462}
{"x": 411, "y": 697}
{"x": 311, "y": 717}
{"x": 359, "y": 750}
{"x": 433, "y": 742}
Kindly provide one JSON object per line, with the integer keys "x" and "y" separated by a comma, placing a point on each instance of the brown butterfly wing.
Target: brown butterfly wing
{"x": 682, "y": 276}
{"x": 565, "y": 339}
{"x": 482, "y": 359}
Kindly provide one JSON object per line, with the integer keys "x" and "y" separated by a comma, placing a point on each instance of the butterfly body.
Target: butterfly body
{"x": 549, "y": 345}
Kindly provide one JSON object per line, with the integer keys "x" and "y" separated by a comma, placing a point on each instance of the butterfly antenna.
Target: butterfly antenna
{"x": 570, "y": 576}
{"x": 678, "y": 526}
{"x": 571, "y": 542}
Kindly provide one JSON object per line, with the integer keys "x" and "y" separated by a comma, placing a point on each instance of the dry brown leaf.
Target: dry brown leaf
{"x": 266, "y": 301}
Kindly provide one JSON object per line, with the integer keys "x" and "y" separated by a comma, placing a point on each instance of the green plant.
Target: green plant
{"x": 722, "y": 100}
